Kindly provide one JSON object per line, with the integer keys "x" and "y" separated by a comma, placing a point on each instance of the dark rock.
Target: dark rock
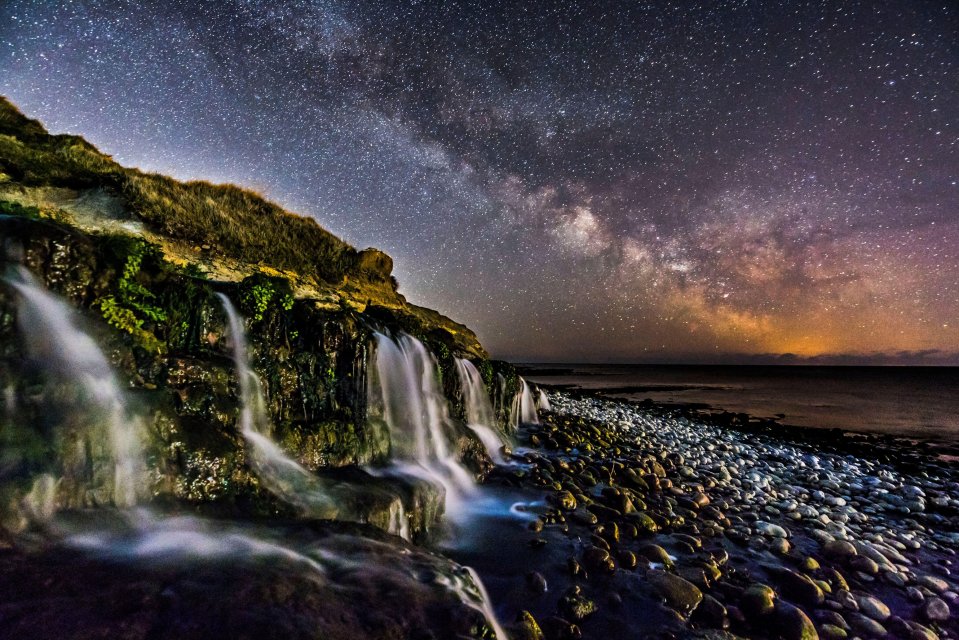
{"x": 758, "y": 600}
{"x": 598, "y": 560}
{"x": 680, "y": 594}
{"x": 535, "y": 582}
{"x": 576, "y": 607}
{"x": 711, "y": 613}
{"x": 526, "y": 628}
{"x": 791, "y": 623}
{"x": 798, "y": 587}
{"x": 655, "y": 553}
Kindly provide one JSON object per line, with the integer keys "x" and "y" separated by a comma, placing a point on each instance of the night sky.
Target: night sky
{"x": 634, "y": 181}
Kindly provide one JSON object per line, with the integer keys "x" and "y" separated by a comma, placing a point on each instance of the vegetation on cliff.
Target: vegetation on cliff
{"x": 143, "y": 258}
{"x": 228, "y": 232}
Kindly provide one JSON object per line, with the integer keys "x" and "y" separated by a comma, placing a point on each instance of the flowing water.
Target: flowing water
{"x": 73, "y": 360}
{"x": 543, "y": 403}
{"x": 416, "y": 412}
{"x": 523, "y": 410}
{"x": 479, "y": 410}
{"x": 281, "y": 474}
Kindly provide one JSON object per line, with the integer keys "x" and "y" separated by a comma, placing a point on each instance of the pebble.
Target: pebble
{"x": 936, "y": 610}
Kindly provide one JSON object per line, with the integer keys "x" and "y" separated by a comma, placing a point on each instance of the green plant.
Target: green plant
{"x": 9, "y": 208}
{"x": 132, "y": 304}
{"x": 259, "y": 291}
{"x": 194, "y": 270}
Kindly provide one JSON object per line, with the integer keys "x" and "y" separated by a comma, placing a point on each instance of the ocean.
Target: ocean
{"x": 907, "y": 401}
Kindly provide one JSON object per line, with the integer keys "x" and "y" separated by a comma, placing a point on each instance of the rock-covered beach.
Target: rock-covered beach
{"x": 658, "y": 525}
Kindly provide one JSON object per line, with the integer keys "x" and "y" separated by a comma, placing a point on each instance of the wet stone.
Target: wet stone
{"x": 936, "y": 610}
{"x": 576, "y": 607}
{"x": 839, "y": 549}
{"x": 680, "y": 594}
{"x": 526, "y": 628}
{"x": 873, "y": 608}
{"x": 535, "y": 582}
{"x": 867, "y": 626}
{"x": 758, "y": 600}
{"x": 792, "y": 623}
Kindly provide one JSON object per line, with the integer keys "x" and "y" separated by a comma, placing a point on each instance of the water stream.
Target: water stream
{"x": 80, "y": 374}
{"x": 480, "y": 417}
{"x": 523, "y": 410}
{"x": 416, "y": 412}
{"x": 281, "y": 474}
{"x": 414, "y": 409}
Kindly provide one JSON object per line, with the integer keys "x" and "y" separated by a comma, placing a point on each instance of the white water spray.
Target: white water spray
{"x": 279, "y": 473}
{"x": 68, "y": 353}
{"x": 523, "y": 410}
{"x": 479, "y": 410}
{"x": 417, "y": 415}
{"x": 544, "y": 402}
{"x": 470, "y": 590}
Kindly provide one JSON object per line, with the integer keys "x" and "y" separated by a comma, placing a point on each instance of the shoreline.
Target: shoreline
{"x": 656, "y": 524}
{"x": 912, "y": 449}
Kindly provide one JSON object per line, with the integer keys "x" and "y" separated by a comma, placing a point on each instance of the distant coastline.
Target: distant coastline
{"x": 918, "y": 403}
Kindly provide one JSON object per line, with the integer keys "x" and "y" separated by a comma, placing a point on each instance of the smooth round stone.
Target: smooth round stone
{"x": 915, "y": 594}
{"x": 791, "y": 623}
{"x": 535, "y": 582}
{"x": 821, "y": 536}
{"x": 873, "y": 608}
{"x": 770, "y": 530}
{"x": 780, "y": 546}
{"x": 936, "y": 610}
{"x": 933, "y": 583}
{"x": 679, "y": 593}
{"x": 810, "y": 564}
{"x": 846, "y": 600}
{"x": 831, "y": 632}
{"x": 864, "y": 565}
{"x": 869, "y": 627}
{"x": 839, "y": 549}
{"x": 758, "y": 600}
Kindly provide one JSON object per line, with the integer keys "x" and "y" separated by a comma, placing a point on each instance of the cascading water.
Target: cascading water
{"x": 74, "y": 359}
{"x": 544, "y": 402}
{"x": 523, "y": 410}
{"x": 85, "y": 382}
{"x": 279, "y": 473}
{"x": 417, "y": 415}
{"x": 479, "y": 410}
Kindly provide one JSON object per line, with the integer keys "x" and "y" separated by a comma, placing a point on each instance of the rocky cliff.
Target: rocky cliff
{"x": 141, "y": 257}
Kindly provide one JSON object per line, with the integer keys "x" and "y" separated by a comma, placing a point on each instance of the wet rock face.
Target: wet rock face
{"x": 175, "y": 352}
{"x": 63, "y": 594}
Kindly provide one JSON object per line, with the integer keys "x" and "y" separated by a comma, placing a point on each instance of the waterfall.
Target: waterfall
{"x": 470, "y": 589}
{"x": 544, "y": 401}
{"x": 281, "y": 475}
{"x": 479, "y": 410}
{"x": 73, "y": 358}
{"x": 523, "y": 410}
{"x": 417, "y": 415}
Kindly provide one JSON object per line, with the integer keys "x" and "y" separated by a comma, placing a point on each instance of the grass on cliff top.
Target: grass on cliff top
{"x": 232, "y": 221}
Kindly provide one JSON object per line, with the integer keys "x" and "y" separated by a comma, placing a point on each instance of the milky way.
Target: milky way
{"x": 575, "y": 181}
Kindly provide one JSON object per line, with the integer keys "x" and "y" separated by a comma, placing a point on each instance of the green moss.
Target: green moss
{"x": 9, "y": 208}
{"x": 485, "y": 368}
{"x": 193, "y": 270}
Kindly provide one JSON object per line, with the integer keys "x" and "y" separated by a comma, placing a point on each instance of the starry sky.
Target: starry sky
{"x": 576, "y": 181}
